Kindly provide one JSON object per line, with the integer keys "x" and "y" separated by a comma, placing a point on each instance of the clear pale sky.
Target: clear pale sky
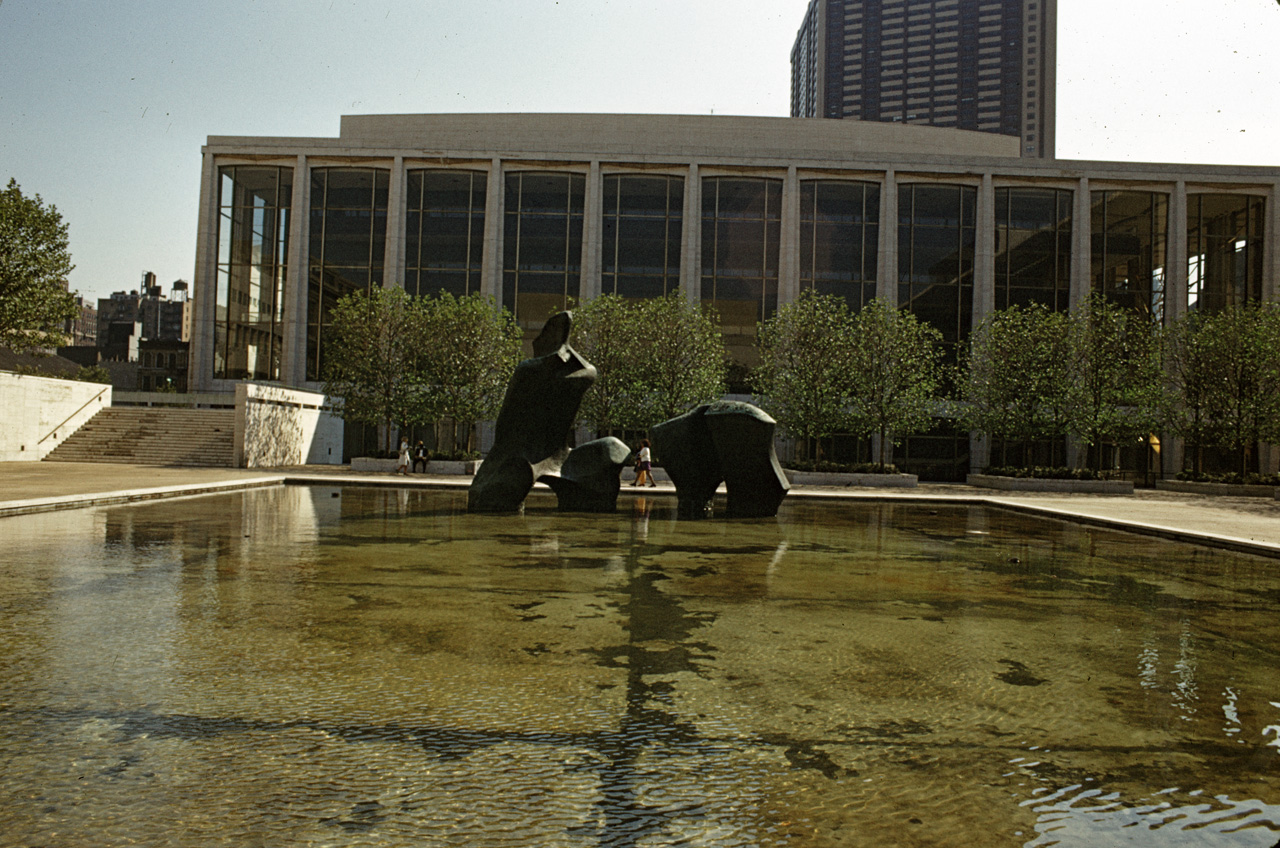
{"x": 104, "y": 105}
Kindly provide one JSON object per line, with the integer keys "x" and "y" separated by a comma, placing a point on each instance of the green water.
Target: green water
{"x": 312, "y": 666}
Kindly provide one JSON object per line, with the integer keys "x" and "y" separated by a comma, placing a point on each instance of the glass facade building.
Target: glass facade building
{"x": 741, "y": 230}
{"x": 1128, "y": 233}
{"x": 253, "y": 252}
{"x": 741, "y": 215}
{"x": 444, "y": 231}
{"x": 839, "y": 239}
{"x": 641, "y": 224}
{"x": 1224, "y": 250}
{"x": 1033, "y": 247}
{"x": 347, "y": 248}
{"x": 542, "y": 258}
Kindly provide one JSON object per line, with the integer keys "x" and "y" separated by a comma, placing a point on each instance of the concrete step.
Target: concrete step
{"x": 153, "y": 436}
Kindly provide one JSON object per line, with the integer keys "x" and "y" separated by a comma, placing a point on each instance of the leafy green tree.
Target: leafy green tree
{"x": 683, "y": 358}
{"x": 1014, "y": 378}
{"x": 896, "y": 372}
{"x": 656, "y": 358}
{"x": 606, "y": 332}
{"x": 1114, "y": 388}
{"x": 471, "y": 346}
{"x": 1225, "y": 371}
{"x": 34, "y": 264}
{"x": 1190, "y": 374}
{"x": 373, "y": 359}
{"x": 805, "y": 375}
{"x": 92, "y": 374}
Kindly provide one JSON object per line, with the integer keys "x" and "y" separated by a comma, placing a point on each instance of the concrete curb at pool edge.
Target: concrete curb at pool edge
{"x": 125, "y": 496}
{"x": 336, "y": 478}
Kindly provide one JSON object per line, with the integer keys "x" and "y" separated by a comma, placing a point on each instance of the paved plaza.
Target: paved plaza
{"x": 1242, "y": 523}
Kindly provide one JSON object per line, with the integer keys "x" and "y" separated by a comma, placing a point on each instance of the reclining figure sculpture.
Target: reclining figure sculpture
{"x": 723, "y": 442}
{"x": 531, "y": 435}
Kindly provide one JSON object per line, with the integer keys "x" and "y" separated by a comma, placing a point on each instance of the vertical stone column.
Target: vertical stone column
{"x": 393, "y": 250}
{"x": 1269, "y": 455}
{"x": 1081, "y": 272}
{"x": 789, "y": 248}
{"x": 293, "y": 358}
{"x": 887, "y": 264}
{"x": 984, "y": 259}
{"x": 592, "y": 225}
{"x": 491, "y": 252}
{"x": 1271, "y": 247}
{"x": 1173, "y": 448}
{"x": 984, "y": 296}
{"x": 691, "y": 237}
{"x": 1081, "y": 245}
{"x": 1175, "y": 267}
{"x": 887, "y": 248}
{"x": 204, "y": 281}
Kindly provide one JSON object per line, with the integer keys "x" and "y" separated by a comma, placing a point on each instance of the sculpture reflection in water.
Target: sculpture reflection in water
{"x": 724, "y": 442}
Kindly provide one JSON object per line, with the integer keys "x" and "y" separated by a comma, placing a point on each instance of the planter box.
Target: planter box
{"x": 1033, "y": 484}
{"x": 435, "y": 466}
{"x": 1238, "y": 490}
{"x": 833, "y": 478}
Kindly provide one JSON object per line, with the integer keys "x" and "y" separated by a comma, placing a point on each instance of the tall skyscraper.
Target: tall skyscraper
{"x": 986, "y": 65}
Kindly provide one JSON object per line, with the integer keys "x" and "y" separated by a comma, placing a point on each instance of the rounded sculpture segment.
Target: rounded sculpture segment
{"x": 688, "y": 455}
{"x": 743, "y": 437}
{"x": 589, "y": 478}
{"x": 532, "y": 432}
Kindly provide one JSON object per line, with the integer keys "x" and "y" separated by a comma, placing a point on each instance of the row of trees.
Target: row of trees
{"x": 1093, "y": 374}
{"x": 1101, "y": 374}
{"x": 1105, "y": 374}
{"x": 824, "y": 369}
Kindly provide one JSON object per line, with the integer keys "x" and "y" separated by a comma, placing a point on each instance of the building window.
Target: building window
{"x": 348, "y": 243}
{"x": 444, "y": 231}
{"x": 1224, "y": 250}
{"x": 542, "y": 245}
{"x": 741, "y": 225}
{"x": 839, "y": 237}
{"x": 1033, "y": 247}
{"x": 1128, "y": 231}
{"x": 642, "y": 229}
{"x": 253, "y": 255}
{"x": 935, "y": 257}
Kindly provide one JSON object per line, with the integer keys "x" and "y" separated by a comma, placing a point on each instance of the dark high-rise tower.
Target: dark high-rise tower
{"x": 986, "y": 65}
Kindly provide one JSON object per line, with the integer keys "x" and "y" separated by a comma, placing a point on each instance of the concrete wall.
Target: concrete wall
{"x": 39, "y": 413}
{"x": 277, "y": 426}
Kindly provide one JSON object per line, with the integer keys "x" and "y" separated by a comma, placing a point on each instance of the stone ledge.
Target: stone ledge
{"x": 1238, "y": 490}
{"x": 1034, "y": 484}
{"x": 435, "y": 466}
{"x": 834, "y": 478}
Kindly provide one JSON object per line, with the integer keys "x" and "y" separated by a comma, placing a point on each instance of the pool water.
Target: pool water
{"x": 322, "y": 666}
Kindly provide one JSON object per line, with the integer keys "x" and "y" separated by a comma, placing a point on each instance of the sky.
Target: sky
{"x": 104, "y": 105}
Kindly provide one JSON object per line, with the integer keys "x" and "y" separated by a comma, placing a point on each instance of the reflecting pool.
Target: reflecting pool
{"x": 320, "y": 666}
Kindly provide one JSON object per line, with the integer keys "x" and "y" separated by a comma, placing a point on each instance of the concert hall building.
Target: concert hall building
{"x": 741, "y": 214}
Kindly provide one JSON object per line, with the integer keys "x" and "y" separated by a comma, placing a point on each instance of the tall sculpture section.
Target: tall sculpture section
{"x": 531, "y": 438}
{"x": 724, "y": 442}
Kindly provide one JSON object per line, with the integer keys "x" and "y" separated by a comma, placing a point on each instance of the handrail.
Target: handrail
{"x": 98, "y": 396}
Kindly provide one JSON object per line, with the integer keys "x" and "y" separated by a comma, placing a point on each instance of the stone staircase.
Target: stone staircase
{"x": 153, "y": 436}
